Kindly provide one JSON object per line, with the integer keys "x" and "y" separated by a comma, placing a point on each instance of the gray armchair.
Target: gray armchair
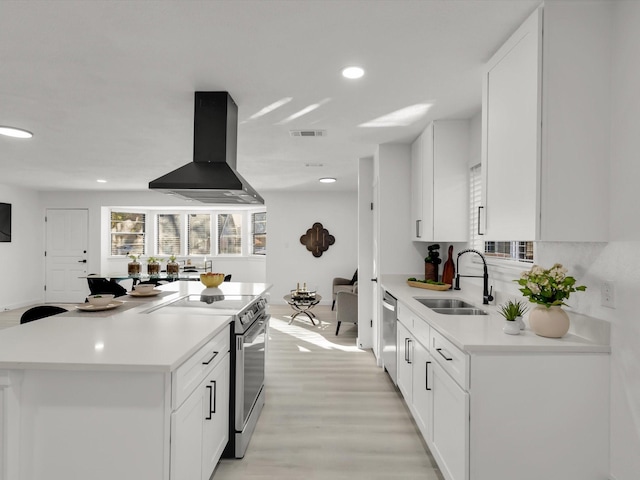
{"x": 341, "y": 284}
{"x": 347, "y": 307}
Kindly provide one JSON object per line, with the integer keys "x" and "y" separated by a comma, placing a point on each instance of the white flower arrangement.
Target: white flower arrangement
{"x": 548, "y": 287}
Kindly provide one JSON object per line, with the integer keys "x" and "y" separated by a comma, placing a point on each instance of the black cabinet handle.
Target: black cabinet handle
{"x": 439, "y": 350}
{"x": 479, "y": 221}
{"x": 213, "y": 393}
{"x": 215, "y": 354}
{"x": 418, "y": 228}
{"x": 210, "y": 388}
{"x": 82, "y": 261}
{"x": 426, "y": 375}
{"x": 409, "y": 351}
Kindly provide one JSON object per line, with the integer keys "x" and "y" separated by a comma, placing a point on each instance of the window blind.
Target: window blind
{"x": 199, "y": 234}
{"x": 168, "y": 234}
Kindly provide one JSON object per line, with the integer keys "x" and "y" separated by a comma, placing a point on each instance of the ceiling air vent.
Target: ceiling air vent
{"x": 308, "y": 133}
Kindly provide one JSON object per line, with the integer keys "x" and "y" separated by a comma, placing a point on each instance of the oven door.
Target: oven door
{"x": 250, "y": 361}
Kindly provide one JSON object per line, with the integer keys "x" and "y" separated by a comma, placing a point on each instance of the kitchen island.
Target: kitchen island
{"x": 491, "y": 405}
{"x": 117, "y": 394}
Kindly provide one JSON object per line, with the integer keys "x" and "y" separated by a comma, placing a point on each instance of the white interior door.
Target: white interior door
{"x": 66, "y": 255}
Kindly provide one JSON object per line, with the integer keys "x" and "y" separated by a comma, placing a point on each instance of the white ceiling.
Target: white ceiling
{"x": 107, "y": 86}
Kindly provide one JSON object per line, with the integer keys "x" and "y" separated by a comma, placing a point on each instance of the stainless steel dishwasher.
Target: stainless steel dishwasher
{"x": 389, "y": 359}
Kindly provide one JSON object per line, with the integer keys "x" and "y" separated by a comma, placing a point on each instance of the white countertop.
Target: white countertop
{"x": 118, "y": 339}
{"x": 483, "y": 333}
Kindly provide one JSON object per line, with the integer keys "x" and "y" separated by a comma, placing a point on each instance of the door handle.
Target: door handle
{"x": 374, "y": 280}
{"x": 82, "y": 261}
{"x": 426, "y": 375}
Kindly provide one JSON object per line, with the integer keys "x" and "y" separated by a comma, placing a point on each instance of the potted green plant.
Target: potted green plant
{"x": 133, "y": 267}
{"x": 153, "y": 266}
{"x": 548, "y": 288}
{"x": 512, "y": 311}
{"x": 173, "y": 267}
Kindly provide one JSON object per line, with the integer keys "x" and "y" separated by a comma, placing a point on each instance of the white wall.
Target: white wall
{"x": 22, "y": 259}
{"x": 392, "y": 169}
{"x": 289, "y": 216}
{"x": 620, "y": 261}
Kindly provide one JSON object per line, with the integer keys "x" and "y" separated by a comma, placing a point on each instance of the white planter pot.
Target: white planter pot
{"x": 511, "y": 327}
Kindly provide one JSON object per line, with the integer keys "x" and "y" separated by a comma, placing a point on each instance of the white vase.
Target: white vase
{"x": 552, "y": 322}
{"x": 511, "y": 327}
{"x": 520, "y": 322}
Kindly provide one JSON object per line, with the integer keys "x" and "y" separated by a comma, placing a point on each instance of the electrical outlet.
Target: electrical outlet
{"x": 608, "y": 294}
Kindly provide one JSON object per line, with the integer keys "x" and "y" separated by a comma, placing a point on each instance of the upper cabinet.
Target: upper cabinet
{"x": 439, "y": 183}
{"x": 545, "y": 129}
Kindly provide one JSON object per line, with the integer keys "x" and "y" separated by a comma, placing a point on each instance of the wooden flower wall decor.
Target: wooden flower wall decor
{"x": 317, "y": 239}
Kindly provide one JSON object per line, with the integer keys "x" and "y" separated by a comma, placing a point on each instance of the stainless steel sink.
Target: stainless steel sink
{"x": 444, "y": 303}
{"x": 460, "y": 311}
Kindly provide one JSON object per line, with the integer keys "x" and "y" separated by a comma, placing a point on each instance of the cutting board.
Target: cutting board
{"x": 449, "y": 269}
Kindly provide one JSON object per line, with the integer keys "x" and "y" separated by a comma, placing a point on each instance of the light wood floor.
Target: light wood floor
{"x": 330, "y": 412}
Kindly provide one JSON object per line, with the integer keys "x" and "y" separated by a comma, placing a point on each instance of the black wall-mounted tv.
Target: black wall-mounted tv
{"x": 5, "y": 222}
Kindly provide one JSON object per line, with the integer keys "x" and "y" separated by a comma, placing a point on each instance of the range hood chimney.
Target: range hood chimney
{"x": 212, "y": 176}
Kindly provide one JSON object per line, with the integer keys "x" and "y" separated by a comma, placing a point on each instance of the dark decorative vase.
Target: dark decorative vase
{"x": 430, "y": 271}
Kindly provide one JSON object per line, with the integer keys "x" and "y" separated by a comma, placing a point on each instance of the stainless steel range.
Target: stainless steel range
{"x": 248, "y": 348}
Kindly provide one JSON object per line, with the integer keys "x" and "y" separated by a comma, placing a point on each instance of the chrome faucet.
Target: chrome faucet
{"x": 486, "y": 293}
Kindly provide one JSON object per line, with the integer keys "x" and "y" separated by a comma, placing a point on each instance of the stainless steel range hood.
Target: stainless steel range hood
{"x": 212, "y": 176}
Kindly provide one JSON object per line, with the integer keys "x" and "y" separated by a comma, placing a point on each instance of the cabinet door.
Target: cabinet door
{"x": 450, "y": 442}
{"x": 423, "y": 390}
{"x": 511, "y": 136}
{"x": 215, "y": 431}
{"x": 186, "y": 437}
{"x": 405, "y": 373}
{"x": 449, "y": 181}
{"x": 417, "y": 221}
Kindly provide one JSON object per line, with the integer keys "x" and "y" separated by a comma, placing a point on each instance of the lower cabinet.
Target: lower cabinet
{"x": 488, "y": 415}
{"x": 405, "y": 365}
{"x": 423, "y": 390}
{"x": 199, "y": 428}
{"x": 450, "y": 432}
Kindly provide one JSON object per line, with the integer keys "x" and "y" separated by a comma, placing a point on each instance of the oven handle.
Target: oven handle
{"x": 259, "y": 327}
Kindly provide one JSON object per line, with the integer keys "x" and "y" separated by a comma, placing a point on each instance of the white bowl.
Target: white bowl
{"x": 100, "y": 299}
{"x": 144, "y": 288}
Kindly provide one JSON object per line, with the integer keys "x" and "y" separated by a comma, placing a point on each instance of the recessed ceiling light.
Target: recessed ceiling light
{"x": 327, "y": 180}
{"x": 353, "y": 72}
{"x": 15, "y": 132}
{"x": 101, "y": 181}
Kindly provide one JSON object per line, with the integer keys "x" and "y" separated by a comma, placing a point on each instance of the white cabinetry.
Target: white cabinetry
{"x": 450, "y": 430}
{"x": 405, "y": 367}
{"x": 545, "y": 127}
{"x": 439, "y": 177}
{"x": 199, "y": 427}
{"x": 483, "y": 413}
{"x": 144, "y": 423}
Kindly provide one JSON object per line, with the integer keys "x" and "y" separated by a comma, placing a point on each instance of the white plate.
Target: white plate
{"x": 87, "y": 307}
{"x": 153, "y": 292}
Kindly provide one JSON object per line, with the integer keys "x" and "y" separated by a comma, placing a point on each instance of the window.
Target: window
{"x": 127, "y": 233}
{"x": 168, "y": 234}
{"x": 259, "y": 233}
{"x": 230, "y": 234}
{"x": 199, "y": 234}
{"x": 509, "y": 250}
